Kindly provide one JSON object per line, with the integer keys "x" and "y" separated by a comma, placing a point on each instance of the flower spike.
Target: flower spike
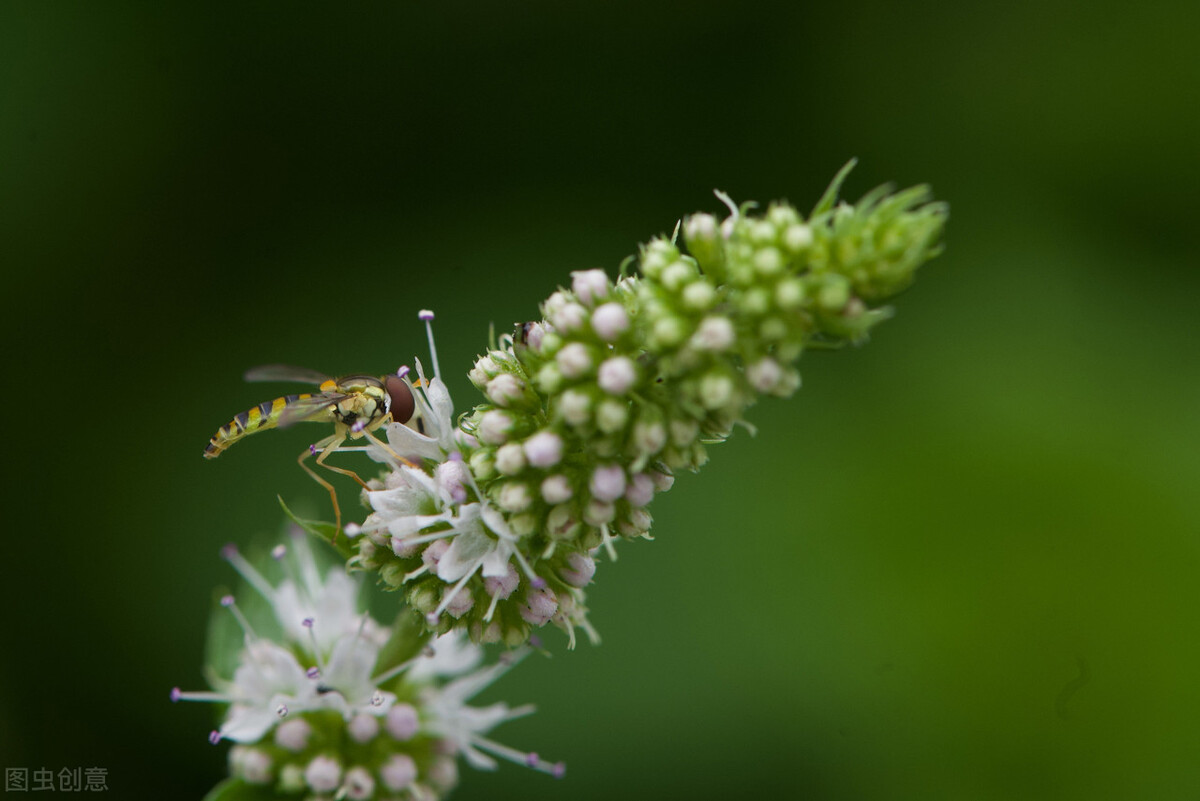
{"x": 592, "y": 410}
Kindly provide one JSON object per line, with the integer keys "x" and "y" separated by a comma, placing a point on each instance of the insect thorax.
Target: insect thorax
{"x": 367, "y": 402}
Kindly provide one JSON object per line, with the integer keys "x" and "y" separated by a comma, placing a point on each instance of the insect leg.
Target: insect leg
{"x": 333, "y": 441}
{"x": 331, "y": 449}
{"x": 386, "y": 448}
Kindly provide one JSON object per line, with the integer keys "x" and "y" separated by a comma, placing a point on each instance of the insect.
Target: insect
{"x": 355, "y": 404}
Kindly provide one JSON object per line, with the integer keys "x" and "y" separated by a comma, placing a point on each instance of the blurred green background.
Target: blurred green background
{"x": 961, "y": 563}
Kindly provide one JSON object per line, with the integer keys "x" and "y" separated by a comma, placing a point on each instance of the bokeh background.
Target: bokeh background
{"x": 961, "y": 563}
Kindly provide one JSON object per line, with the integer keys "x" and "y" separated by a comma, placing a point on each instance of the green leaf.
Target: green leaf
{"x": 239, "y": 790}
{"x": 323, "y": 530}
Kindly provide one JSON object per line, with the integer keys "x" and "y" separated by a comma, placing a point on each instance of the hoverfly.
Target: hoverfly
{"x": 355, "y": 404}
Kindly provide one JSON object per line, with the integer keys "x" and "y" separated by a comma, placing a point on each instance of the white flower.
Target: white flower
{"x": 476, "y": 548}
{"x": 463, "y": 726}
{"x": 319, "y": 621}
{"x": 266, "y": 686}
{"x": 435, "y": 409}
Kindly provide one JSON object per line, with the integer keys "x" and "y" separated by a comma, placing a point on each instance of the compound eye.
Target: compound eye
{"x": 403, "y": 403}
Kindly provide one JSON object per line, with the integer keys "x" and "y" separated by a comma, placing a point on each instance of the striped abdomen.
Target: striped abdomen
{"x": 260, "y": 418}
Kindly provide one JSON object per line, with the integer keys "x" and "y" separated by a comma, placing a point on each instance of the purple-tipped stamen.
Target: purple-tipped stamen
{"x": 531, "y": 760}
{"x": 248, "y": 571}
{"x": 392, "y": 672}
{"x": 358, "y": 426}
{"x": 537, "y": 582}
{"x": 281, "y": 711}
{"x": 312, "y": 637}
{"x": 535, "y": 641}
{"x": 202, "y": 696}
{"x": 402, "y": 372}
{"x": 312, "y": 673}
{"x": 214, "y": 736}
{"x": 230, "y": 603}
{"x": 278, "y": 552}
{"x": 312, "y": 450}
{"x": 427, "y": 316}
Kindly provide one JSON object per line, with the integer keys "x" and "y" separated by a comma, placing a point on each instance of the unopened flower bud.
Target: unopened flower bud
{"x": 502, "y": 586}
{"x": 678, "y": 274}
{"x": 764, "y": 374}
{"x": 598, "y": 513}
{"x": 544, "y": 449}
{"x": 769, "y": 262}
{"x": 617, "y": 375}
{"x": 540, "y": 605}
{"x": 323, "y": 774}
{"x": 510, "y": 459}
{"x": 514, "y": 497}
{"x": 713, "y": 334}
{"x": 640, "y": 490}
{"x": 589, "y": 285}
{"x": 402, "y": 722}
{"x": 578, "y": 570}
{"x": 789, "y": 294}
{"x": 459, "y": 604}
{"x": 649, "y": 437}
{"x": 797, "y": 237}
{"x": 699, "y": 295}
{"x": 561, "y": 523}
{"x": 494, "y": 427}
{"x": 556, "y": 489}
{"x": 575, "y": 407}
{"x": 669, "y": 332}
{"x": 574, "y": 360}
{"x": 363, "y": 727}
{"x": 569, "y": 318}
{"x": 611, "y": 415}
{"x": 505, "y": 389}
{"x": 716, "y": 390}
{"x": 608, "y": 482}
{"x": 292, "y": 735}
{"x": 610, "y": 321}
{"x": 399, "y": 772}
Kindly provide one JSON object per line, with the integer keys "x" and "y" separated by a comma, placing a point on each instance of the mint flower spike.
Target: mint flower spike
{"x": 592, "y": 410}
{"x": 436, "y": 534}
{"x": 335, "y": 703}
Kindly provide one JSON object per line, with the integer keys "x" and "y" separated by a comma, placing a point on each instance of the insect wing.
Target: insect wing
{"x": 301, "y": 409}
{"x": 285, "y": 372}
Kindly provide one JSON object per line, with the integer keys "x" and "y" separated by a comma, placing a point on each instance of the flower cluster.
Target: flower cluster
{"x": 491, "y": 524}
{"x": 494, "y": 525}
{"x": 326, "y": 701}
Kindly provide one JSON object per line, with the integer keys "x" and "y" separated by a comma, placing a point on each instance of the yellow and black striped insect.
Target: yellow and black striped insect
{"x": 355, "y": 404}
